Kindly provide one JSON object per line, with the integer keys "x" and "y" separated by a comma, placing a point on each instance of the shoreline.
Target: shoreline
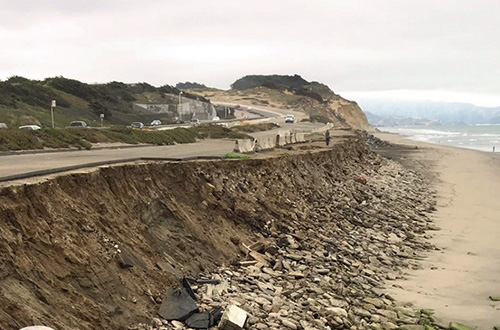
{"x": 457, "y": 279}
{"x": 478, "y": 146}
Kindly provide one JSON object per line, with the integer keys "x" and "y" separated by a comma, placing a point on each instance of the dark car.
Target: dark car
{"x": 137, "y": 124}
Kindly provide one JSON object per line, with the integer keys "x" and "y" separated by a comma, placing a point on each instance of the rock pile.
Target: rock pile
{"x": 374, "y": 141}
{"x": 324, "y": 262}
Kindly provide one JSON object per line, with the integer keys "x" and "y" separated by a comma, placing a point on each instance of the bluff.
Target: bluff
{"x": 96, "y": 250}
{"x": 295, "y": 93}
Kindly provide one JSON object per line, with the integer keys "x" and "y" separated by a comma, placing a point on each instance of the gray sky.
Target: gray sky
{"x": 439, "y": 49}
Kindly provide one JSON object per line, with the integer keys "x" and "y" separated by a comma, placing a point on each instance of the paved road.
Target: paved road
{"x": 25, "y": 163}
{"x": 18, "y": 164}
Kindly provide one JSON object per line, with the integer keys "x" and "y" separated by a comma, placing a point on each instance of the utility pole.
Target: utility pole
{"x": 52, "y": 106}
{"x": 179, "y": 107}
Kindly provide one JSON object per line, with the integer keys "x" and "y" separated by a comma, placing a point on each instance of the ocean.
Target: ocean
{"x": 478, "y": 137}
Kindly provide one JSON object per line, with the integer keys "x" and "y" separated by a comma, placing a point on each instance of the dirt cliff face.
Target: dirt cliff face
{"x": 326, "y": 106}
{"x": 93, "y": 250}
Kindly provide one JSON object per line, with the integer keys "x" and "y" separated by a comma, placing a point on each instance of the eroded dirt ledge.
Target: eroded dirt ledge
{"x": 90, "y": 250}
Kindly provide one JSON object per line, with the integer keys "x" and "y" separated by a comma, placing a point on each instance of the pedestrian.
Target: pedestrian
{"x": 327, "y": 137}
{"x": 493, "y": 148}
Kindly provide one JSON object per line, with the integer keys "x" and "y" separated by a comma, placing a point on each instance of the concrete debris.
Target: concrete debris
{"x": 234, "y": 318}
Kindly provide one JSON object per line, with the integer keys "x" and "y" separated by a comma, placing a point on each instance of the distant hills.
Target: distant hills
{"x": 396, "y": 113}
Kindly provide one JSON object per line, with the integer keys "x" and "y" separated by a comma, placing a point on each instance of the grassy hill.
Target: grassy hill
{"x": 24, "y": 101}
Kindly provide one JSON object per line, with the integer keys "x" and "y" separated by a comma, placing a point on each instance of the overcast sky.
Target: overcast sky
{"x": 436, "y": 49}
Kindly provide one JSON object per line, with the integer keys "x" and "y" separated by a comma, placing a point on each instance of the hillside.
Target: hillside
{"x": 24, "y": 101}
{"x": 292, "y": 93}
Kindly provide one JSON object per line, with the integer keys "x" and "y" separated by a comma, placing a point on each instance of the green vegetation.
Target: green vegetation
{"x": 217, "y": 132}
{"x": 458, "y": 326}
{"x": 14, "y": 139}
{"x": 190, "y": 85}
{"x": 235, "y": 155}
{"x": 132, "y": 136}
{"x": 272, "y": 81}
{"x": 256, "y": 128}
{"x": 78, "y": 137}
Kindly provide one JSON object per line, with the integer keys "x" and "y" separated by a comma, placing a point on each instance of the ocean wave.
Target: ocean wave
{"x": 427, "y": 132}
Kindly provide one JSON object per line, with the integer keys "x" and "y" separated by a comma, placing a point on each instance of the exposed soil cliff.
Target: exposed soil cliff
{"x": 91, "y": 250}
{"x": 315, "y": 99}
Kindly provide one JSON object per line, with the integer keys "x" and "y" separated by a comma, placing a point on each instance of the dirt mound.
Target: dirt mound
{"x": 93, "y": 250}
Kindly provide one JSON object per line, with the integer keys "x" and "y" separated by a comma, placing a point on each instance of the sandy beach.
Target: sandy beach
{"x": 457, "y": 279}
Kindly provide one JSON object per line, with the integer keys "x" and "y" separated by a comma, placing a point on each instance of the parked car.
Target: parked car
{"x": 3, "y": 125}
{"x": 78, "y": 123}
{"x": 156, "y": 122}
{"x": 290, "y": 119}
{"x": 30, "y": 127}
{"x": 216, "y": 118}
{"x": 137, "y": 124}
{"x": 195, "y": 121}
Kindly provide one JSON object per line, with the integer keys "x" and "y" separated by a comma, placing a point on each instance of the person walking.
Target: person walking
{"x": 327, "y": 137}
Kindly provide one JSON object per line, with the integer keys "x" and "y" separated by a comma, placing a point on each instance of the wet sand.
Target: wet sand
{"x": 457, "y": 280}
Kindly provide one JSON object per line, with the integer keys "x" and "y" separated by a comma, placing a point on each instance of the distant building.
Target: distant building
{"x": 185, "y": 111}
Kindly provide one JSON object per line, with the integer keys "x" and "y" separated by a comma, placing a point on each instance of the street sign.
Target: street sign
{"x": 53, "y": 104}
{"x": 102, "y": 116}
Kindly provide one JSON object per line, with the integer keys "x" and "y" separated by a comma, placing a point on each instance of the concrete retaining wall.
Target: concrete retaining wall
{"x": 283, "y": 138}
{"x": 244, "y": 146}
{"x": 265, "y": 143}
{"x": 300, "y": 137}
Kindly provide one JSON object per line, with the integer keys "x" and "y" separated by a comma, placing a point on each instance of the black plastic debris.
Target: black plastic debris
{"x": 177, "y": 305}
{"x": 185, "y": 283}
{"x": 204, "y": 320}
{"x": 201, "y": 281}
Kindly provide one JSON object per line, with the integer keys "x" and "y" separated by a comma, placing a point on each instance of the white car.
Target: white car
{"x": 216, "y": 118}
{"x": 30, "y": 127}
{"x": 290, "y": 119}
{"x": 156, "y": 122}
{"x": 195, "y": 121}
